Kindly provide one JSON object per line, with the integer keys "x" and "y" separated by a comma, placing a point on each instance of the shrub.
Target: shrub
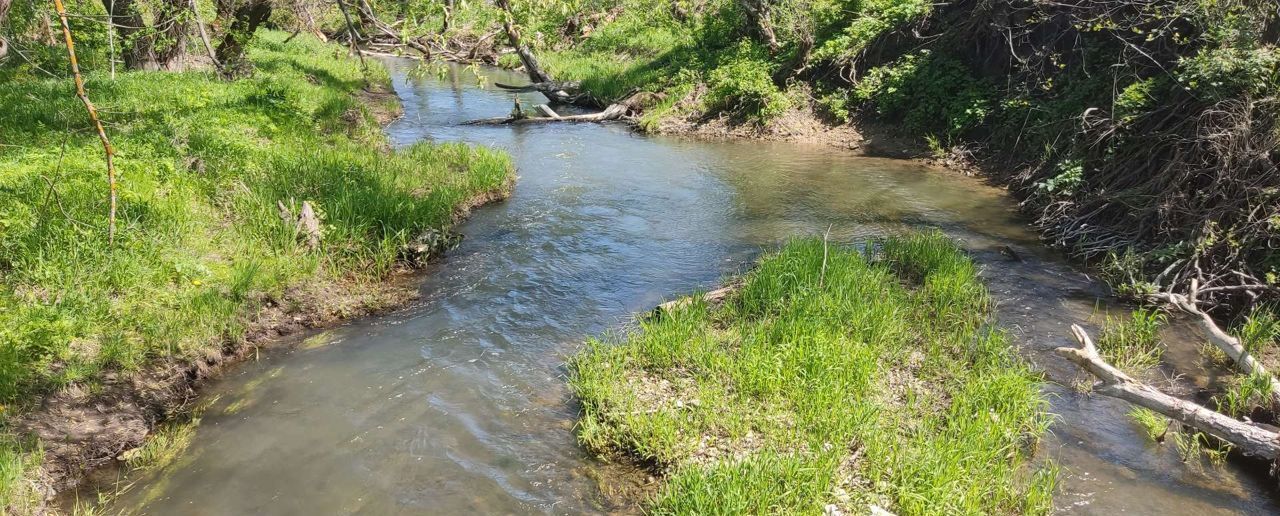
{"x": 929, "y": 92}
{"x": 743, "y": 86}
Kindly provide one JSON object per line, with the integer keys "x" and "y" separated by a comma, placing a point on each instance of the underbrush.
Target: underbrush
{"x": 204, "y": 167}
{"x": 836, "y": 376}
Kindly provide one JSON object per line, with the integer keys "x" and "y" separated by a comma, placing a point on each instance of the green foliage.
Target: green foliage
{"x": 1154, "y": 426}
{"x": 1260, "y": 331}
{"x": 1243, "y": 394}
{"x": 832, "y": 376}
{"x": 1136, "y": 99}
{"x": 18, "y": 461}
{"x": 1219, "y": 73}
{"x": 867, "y": 21}
{"x": 1133, "y": 343}
{"x": 1124, "y": 273}
{"x": 743, "y": 85}
{"x": 202, "y": 164}
{"x": 930, "y": 93}
{"x": 1070, "y": 178}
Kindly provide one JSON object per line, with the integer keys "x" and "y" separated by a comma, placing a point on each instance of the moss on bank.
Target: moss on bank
{"x": 201, "y": 247}
{"x": 833, "y": 376}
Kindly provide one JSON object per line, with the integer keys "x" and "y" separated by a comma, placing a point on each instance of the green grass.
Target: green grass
{"x": 202, "y": 164}
{"x": 1133, "y": 343}
{"x": 1154, "y": 426}
{"x": 872, "y": 379}
{"x": 17, "y": 462}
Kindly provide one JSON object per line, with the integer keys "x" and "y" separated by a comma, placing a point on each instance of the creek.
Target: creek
{"x": 457, "y": 404}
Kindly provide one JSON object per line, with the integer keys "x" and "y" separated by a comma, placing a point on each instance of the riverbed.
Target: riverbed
{"x": 457, "y": 403}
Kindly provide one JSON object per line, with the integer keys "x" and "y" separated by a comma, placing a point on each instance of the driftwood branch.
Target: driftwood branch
{"x": 93, "y": 116}
{"x": 1253, "y": 440}
{"x": 714, "y": 297}
{"x": 1224, "y": 341}
{"x": 305, "y": 224}
{"x": 615, "y": 111}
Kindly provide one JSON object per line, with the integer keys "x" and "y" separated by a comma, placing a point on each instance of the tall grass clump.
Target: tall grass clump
{"x": 204, "y": 165}
{"x": 833, "y": 375}
{"x": 1132, "y": 343}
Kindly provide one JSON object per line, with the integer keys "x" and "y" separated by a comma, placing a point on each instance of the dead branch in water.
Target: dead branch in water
{"x": 93, "y": 116}
{"x": 1253, "y": 440}
{"x": 616, "y": 111}
{"x": 1224, "y": 341}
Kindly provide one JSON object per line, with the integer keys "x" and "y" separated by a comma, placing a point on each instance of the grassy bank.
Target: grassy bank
{"x": 832, "y": 376}
{"x": 201, "y": 247}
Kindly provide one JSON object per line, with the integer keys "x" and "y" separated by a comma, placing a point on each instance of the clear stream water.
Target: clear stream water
{"x": 457, "y": 404}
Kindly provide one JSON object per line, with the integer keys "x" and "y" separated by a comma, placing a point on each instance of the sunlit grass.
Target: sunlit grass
{"x": 203, "y": 164}
{"x": 1154, "y": 426}
{"x": 17, "y": 462}
{"x": 834, "y": 375}
{"x": 1132, "y": 343}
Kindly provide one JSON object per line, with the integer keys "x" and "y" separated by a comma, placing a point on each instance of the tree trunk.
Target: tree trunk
{"x": 448, "y": 17}
{"x": 4, "y": 13}
{"x": 531, "y": 67}
{"x": 136, "y": 40}
{"x": 759, "y": 14}
{"x": 107, "y": 149}
{"x": 173, "y": 20}
{"x": 242, "y": 18}
{"x": 204, "y": 35}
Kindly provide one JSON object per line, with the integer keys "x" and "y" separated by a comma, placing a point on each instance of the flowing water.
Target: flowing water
{"x": 457, "y": 404}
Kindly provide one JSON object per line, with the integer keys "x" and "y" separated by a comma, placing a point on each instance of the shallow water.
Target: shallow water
{"x": 457, "y": 403}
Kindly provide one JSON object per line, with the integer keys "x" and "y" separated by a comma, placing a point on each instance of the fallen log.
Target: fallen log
{"x": 615, "y": 111}
{"x": 714, "y": 297}
{"x": 1224, "y": 341}
{"x": 1252, "y": 440}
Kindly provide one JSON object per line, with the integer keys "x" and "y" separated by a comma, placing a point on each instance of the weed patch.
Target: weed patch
{"x": 833, "y": 376}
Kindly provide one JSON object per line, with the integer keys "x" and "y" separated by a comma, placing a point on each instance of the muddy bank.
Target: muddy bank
{"x": 803, "y": 126}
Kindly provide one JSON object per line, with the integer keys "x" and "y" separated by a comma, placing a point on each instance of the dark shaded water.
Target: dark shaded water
{"x": 457, "y": 404}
